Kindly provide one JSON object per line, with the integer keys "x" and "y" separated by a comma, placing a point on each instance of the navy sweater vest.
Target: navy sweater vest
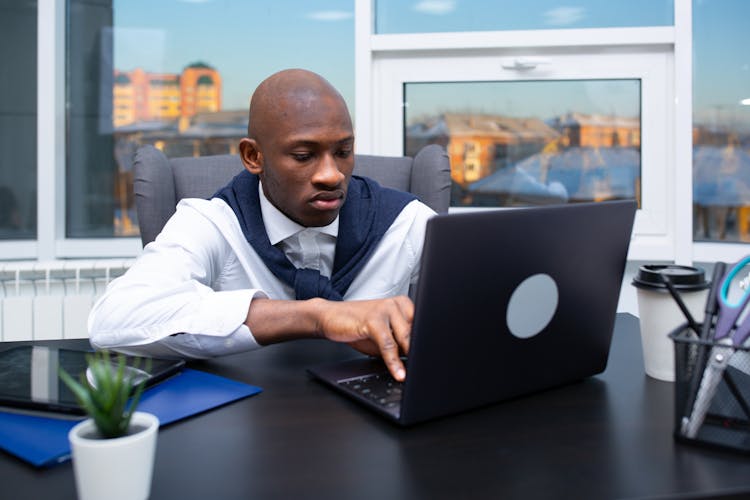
{"x": 367, "y": 213}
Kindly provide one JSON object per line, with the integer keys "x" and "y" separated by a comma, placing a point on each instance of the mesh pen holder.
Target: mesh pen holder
{"x": 726, "y": 423}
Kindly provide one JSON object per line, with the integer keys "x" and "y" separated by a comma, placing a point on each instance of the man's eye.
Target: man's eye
{"x": 301, "y": 156}
{"x": 344, "y": 153}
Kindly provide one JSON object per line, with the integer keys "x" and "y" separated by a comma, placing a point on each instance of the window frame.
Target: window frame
{"x": 52, "y": 244}
{"x": 653, "y": 235}
{"x": 677, "y": 243}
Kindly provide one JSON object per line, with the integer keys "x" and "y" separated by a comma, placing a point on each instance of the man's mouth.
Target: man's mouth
{"x": 328, "y": 201}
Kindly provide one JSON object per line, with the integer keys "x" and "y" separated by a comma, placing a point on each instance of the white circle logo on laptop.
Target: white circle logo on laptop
{"x": 532, "y": 306}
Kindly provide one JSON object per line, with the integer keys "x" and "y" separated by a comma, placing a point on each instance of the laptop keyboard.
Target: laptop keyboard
{"x": 382, "y": 389}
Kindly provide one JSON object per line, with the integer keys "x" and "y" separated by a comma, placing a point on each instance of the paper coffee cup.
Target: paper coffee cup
{"x": 659, "y": 313}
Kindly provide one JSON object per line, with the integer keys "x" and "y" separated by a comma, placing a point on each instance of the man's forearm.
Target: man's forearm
{"x": 273, "y": 321}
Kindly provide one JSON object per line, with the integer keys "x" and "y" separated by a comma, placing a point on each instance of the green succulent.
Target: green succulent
{"x": 106, "y": 401}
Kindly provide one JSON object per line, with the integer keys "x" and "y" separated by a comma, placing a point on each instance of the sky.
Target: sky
{"x": 247, "y": 40}
{"x": 525, "y": 98}
{"x": 721, "y": 65}
{"x": 424, "y": 16}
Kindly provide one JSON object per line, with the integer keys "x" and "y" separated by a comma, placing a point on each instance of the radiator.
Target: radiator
{"x": 52, "y": 300}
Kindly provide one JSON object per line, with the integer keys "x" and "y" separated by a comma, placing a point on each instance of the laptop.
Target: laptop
{"x": 509, "y": 302}
{"x": 30, "y": 381}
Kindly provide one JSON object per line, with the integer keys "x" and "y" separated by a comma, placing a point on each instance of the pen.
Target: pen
{"x": 711, "y": 303}
{"x": 705, "y": 335}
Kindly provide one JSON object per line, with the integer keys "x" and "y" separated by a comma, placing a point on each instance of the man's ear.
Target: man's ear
{"x": 251, "y": 155}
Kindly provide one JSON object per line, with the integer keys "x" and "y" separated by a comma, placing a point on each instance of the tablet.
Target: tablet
{"x": 29, "y": 379}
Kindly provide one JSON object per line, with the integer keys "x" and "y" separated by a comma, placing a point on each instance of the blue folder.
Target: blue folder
{"x": 43, "y": 441}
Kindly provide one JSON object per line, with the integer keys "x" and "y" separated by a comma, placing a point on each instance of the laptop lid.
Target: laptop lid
{"x": 509, "y": 302}
{"x": 514, "y": 301}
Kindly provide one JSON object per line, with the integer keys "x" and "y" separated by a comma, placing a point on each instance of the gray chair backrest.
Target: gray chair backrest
{"x": 159, "y": 182}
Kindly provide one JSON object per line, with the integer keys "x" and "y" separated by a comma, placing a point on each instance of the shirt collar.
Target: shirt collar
{"x": 279, "y": 227}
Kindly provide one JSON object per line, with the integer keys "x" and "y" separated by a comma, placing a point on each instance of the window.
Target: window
{"x": 70, "y": 196}
{"x": 533, "y": 141}
{"x": 721, "y": 122}
{"x": 562, "y": 127}
{"x": 18, "y": 120}
{"x": 177, "y": 75}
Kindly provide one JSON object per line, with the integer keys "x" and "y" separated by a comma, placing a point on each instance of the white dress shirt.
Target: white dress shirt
{"x": 189, "y": 293}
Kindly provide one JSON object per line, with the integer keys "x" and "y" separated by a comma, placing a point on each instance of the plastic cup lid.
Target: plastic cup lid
{"x": 684, "y": 278}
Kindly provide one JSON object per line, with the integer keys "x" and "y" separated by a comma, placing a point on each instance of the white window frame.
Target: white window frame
{"x": 51, "y": 242}
{"x": 673, "y": 240}
{"x": 654, "y": 238}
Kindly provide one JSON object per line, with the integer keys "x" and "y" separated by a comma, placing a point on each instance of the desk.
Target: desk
{"x": 609, "y": 436}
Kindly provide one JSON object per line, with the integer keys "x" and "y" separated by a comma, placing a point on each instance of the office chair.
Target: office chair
{"x": 160, "y": 182}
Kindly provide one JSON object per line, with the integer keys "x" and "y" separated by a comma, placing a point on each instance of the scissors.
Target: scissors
{"x": 728, "y": 335}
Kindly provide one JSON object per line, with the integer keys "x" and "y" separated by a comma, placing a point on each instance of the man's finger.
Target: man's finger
{"x": 402, "y": 324}
{"x": 401, "y": 329}
{"x": 389, "y": 352}
{"x": 396, "y": 367}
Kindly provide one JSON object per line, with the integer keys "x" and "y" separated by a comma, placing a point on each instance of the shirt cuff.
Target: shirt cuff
{"x": 205, "y": 346}
{"x": 222, "y": 313}
{"x": 230, "y": 335}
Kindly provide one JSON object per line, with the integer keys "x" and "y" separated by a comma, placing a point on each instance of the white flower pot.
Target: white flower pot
{"x": 118, "y": 468}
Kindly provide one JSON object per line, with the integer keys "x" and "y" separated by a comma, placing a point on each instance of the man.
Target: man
{"x": 271, "y": 256}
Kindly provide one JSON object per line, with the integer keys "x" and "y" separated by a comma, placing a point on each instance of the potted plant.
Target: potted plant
{"x": 113, "y": 450}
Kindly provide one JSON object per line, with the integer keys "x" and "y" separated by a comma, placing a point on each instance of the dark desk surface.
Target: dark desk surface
{"x": 606, "y": 437}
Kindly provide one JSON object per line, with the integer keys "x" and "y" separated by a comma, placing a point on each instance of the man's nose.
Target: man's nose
{"x": 328, "y": 172}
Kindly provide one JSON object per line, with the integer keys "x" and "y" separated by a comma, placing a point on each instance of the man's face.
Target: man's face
{"x": 305, "y": 158}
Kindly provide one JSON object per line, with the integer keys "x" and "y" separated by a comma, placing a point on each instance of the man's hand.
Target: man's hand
{"x": 376, "y": 327}
{"x": 372, "y": 327}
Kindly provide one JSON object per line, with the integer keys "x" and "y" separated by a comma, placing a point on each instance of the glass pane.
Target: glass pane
{"x": 721, "y": 121}
{"x": 428, "y": 16}
{"x": 178, "y": 75}
{"x": 516, "y": 143}
{"x": 18, "y": 175}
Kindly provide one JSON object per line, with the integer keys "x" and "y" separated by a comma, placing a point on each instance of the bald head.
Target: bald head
{"x": 291, "y": 92}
